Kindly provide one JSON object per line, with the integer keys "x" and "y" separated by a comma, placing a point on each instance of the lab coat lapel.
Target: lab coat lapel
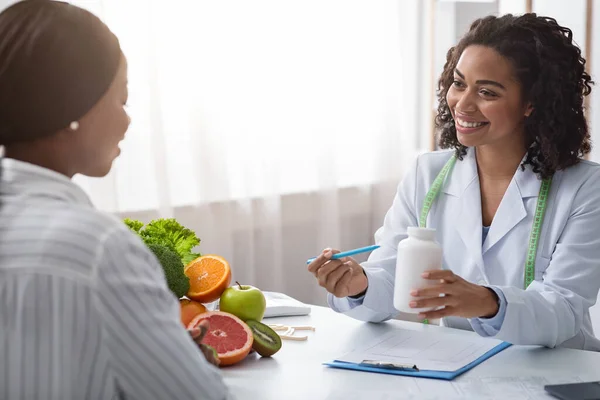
{"x": 511, "y": 211}
{"x": 464, "y": 184}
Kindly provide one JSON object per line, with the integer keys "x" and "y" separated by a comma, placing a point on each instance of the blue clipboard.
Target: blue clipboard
{"x": 445, "y": 375}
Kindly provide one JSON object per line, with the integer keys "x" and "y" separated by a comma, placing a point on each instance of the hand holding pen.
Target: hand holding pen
{"x": 340, "y": 276}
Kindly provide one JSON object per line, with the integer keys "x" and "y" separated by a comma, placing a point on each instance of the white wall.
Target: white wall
{"x": 452, "y": 21}
{"x": 567, "y": 13}
{"x": 511, "y": 7}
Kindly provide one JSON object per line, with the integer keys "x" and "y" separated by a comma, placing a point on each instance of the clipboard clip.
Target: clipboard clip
{"x": 389, "y": 365}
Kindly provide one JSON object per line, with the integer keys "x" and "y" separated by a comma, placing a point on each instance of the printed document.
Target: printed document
{"x": 428, "y": 350}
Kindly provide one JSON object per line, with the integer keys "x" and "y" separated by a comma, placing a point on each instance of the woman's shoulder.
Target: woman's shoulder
{"x": 583, "y": 176}
{"x": 582, "y": 171}
{"x": 70, "y": 238}
{"x": 88, "y": 226}
{"x": 423, "y": 169}
{"x": 432, "y": 159}
{"x": 429, "y": 164}
{"x": 584, "y": 166}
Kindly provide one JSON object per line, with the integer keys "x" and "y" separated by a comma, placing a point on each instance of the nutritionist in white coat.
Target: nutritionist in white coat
{"x": 517, "y": 211}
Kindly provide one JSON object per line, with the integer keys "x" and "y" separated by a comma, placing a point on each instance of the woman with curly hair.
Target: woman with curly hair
{"x": 517, "y": 211}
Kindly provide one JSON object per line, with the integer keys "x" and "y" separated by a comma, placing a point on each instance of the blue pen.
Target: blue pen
{"x": 349, "y": 253}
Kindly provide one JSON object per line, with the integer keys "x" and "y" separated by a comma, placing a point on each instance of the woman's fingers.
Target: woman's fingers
{"x": 342, "y": 286}
{"x": 314, "y": 266}
{"x": 432, "y": 302}
{"x": 209, "y": 355}
{"x": 444, "y": 312}
{"x": 334, "y": 276}
{"x": 433, "y": 291}
{"x": 330, "y": 252}
{"x": 321, "y": 260}
{"x": 325, "y": 270}
{"x": 199, "y": 331}
{"x": 439, "y": 274}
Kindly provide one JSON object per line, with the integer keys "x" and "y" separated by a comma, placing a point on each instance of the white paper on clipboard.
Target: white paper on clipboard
{"x": 429, "y": 350}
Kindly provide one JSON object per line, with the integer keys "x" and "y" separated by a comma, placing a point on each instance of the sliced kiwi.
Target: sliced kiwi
{"x": 266, "y": 341}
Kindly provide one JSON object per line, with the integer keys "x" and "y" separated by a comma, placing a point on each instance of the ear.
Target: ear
{"x": 528, "y": 109}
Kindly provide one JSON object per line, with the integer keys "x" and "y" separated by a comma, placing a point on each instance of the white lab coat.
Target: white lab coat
{"x": 554, "y": 309}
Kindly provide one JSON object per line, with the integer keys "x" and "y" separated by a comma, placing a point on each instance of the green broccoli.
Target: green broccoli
{"x": 172, "y": 244}
{"x": 177, "y": 281}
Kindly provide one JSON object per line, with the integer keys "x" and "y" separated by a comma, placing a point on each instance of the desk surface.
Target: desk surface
{"x": 296, "y": 371}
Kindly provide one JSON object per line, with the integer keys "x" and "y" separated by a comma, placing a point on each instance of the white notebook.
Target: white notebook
{"x": 281, "y": 305}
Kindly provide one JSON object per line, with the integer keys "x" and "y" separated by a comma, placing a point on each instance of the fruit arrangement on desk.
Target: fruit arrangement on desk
{"x": 196, "y": 279}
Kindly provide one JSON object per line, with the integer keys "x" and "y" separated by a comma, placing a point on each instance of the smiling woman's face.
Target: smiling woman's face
{"x": 485, "y": 99}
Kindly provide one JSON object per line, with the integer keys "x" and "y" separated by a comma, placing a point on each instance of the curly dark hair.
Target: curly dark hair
{"x": 551, "y": 71}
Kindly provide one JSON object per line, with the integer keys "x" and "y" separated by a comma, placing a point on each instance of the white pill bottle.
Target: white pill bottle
{"x": 418, "y": 253}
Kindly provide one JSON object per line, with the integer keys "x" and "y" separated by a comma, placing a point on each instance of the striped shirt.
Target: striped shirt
{"x": 85, "y": 312}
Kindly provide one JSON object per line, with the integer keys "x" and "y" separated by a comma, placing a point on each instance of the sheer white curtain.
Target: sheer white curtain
{"x": 272, "y": 128}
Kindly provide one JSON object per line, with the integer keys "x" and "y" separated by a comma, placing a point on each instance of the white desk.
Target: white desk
{"x": 296, "y": 371}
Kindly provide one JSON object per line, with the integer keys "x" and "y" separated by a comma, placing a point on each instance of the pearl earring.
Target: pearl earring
{"x": 74, "y": 125}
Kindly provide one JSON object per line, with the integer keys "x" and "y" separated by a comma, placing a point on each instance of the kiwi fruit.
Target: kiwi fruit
{"x": 266, "y": 341}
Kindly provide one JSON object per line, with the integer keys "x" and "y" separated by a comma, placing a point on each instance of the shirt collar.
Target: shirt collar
{"x": 30, "y": 180}
{"x": 465, "y": 173}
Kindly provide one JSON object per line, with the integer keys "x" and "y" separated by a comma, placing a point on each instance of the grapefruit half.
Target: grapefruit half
{"x": 227, "y": 334}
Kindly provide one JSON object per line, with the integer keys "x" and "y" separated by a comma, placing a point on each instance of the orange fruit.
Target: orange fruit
{"x": 189, "y": 309}
{"x": 209, "y": 276}
{"x": 231, "y": 338}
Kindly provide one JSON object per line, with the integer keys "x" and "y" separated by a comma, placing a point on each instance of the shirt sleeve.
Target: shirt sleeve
{"x": 345, "y": 304}
{"x": 491, "y": 326}
{"x": 152, "y": 354}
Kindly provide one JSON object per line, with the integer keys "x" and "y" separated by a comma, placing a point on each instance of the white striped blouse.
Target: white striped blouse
{"x": 85, "y": 312}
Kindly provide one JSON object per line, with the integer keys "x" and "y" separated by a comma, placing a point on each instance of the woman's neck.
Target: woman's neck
{"x": 496, "y": 166}
{"x": 498, "y": 163}
{"x": 38, "y": 154}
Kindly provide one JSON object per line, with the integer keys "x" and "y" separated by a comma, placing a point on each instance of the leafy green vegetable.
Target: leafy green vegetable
{"x": 169, "y": 233}
{"x": 134, "y": 225}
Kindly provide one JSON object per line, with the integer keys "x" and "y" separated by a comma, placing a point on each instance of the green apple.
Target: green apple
{"x": 244, "y": 301}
